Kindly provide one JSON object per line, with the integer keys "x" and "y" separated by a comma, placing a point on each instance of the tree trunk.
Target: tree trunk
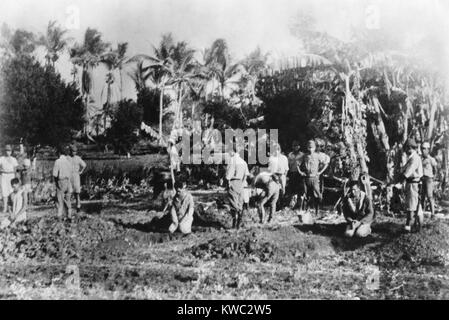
{"x": 121, "y": 83}
{"x": 161, "y": 101}
{"x": 432, "y": 117}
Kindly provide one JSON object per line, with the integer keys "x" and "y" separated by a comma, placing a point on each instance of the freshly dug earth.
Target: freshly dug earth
{"x": 119, "y": 254}
{"x": 274, "y": 244}
{"x": 428, "y": 247}
{"x": 51, "y": 239}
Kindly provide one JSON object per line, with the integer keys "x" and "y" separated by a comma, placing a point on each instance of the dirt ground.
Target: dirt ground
{"x": 116, "y": 251}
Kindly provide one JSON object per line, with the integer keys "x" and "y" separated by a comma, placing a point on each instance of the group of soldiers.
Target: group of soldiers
{"x": 298, "y": 175}
{"x": 15, "y": 178}
{"x": 67, "y": 172}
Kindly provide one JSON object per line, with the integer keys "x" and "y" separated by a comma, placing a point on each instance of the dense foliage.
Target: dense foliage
{"x": 125, "y": 120}
{"x": 36, "y": 104}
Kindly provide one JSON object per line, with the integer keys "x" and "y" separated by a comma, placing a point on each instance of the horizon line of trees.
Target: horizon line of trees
{"x": 364, "y": 97}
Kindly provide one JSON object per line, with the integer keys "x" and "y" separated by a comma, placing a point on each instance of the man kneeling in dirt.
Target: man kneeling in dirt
{"x": 358, "y": 211}
{"x": 268, "y": 189}
{"x": 181, "y": 210}
{"x": 17, "y": 205}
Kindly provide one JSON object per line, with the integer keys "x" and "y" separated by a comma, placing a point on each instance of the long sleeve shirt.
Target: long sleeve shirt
{"x": 361, "y": 210}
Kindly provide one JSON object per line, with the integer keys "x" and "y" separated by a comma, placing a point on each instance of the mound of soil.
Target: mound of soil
{"x": 265, "y": 245}
{"x": 429, "y": 247}
{"x": 50, "y": 239}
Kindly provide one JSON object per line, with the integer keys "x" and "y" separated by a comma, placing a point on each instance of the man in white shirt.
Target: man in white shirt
{"x": 78, "y": 167}
{"x": 429, "y": 165}
{"x": 278, "y": 166}
{"x": 236, "y": 173}
{"x": 412, "y": 172}
{"x": 62, "y": 173}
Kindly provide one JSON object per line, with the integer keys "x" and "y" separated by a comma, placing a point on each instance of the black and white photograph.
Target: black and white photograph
{"x": 234, "y": 150}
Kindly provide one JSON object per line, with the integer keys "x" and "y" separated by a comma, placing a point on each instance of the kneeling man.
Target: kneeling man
{"x": 17, "y": 205}
{"x": 181, "y": 210}
{"x": 358, "y": 211}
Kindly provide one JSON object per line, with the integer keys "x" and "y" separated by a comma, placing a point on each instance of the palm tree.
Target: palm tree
{"x": 88, "y": 56}
{"x": 54, "y": 42}
{"x": 140, "y": 75}
{"x": 224, "y": 77}
{"x": 113, "y": 60}
{"x": 121, "y": 60}
{"x": 184, "y": 73}
{"x": 161, "y": 68}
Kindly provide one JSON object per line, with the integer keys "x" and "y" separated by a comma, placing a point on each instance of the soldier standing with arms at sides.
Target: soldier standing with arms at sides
{"x": 236, "y": 173}
{"x": 312, "y": 166}
{"x": 294, "y": 179}
{"x": 62, "y": 173}
{"x": 412, "y": 172}
{"x": 278, "y": 166}
{"x": 78, "y": 167}
{"x": 8, "y": 166}
{"x": 429, "y": 165}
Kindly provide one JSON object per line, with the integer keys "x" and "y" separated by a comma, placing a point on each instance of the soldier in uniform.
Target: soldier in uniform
{"x": 236, "y": 173}
{"x": 312, "y": 166}
{"x": 429, "y": 166}
{"x": 294, "y": 179}
{"x": 412, "y": 172}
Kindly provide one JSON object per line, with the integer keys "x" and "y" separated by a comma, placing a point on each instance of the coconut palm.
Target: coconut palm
{"x": 224, "y": 77}
{"x": 140, "y": 75}
{"x": 113, "y": 60}
{"x": 88, "y": 55}
{"x": 161, "y": 63}
{"x": 54, "y": 41}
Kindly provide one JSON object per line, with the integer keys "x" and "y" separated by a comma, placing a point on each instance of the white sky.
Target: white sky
{"x": 245, "y": 24}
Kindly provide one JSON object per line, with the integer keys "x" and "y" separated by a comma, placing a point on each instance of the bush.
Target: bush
{"x": 148, "y": 101}
{"x": 36, "y": 104}
{"x": 125, "y": 121}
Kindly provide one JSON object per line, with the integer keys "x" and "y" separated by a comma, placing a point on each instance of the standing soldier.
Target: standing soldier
{"x": 324, "y": 158}
{"x": 429, "y": 166}
{"x": 278, "y": 166}
{"x": 312, "y": 166}
{"x": 294, "y": 179}
{"x": 236, "y": 173}
{"x": 62, "y": 173}
{"x": 78, "y": 167}
{"x": 8, "y": 165}
{"x": 412, "y": 173}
